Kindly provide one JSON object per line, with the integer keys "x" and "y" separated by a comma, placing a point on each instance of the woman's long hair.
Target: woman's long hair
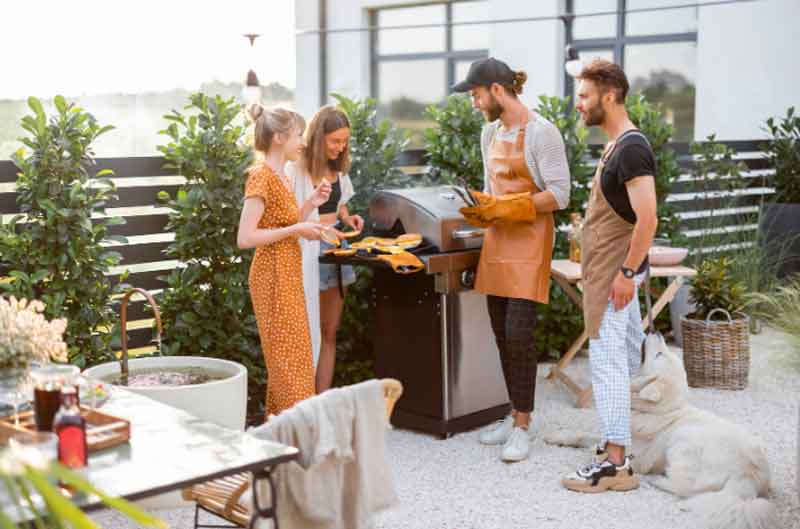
{"x": 315, "y": 159}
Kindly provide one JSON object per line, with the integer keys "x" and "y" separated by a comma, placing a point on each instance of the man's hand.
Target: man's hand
{"x": 622, "y": 291}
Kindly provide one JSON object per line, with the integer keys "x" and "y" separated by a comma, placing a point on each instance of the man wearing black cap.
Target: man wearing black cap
{"x": 526, "y": 178}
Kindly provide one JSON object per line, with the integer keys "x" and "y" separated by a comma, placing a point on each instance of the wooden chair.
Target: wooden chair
{"x": 221, "y": 496}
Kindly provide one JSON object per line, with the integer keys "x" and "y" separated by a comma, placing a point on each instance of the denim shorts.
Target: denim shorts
{"x": 327, "y": 272}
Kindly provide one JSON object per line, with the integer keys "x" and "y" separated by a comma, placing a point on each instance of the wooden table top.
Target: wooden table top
{"x": 571, "y": 272}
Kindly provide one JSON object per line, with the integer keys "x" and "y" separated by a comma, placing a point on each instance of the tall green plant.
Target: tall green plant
{"x": 373, "y": 150}
{"x": 783, "y": 152}
{"x": 780, "y": 308}
{"x": 55, "y": 248}
{"x": 560, "y": 321}
{"x": 454, "y": 145}
{"x": 206, "y": 308}
{"x": 374, "y": 146}
{"x": 648, "y": 118}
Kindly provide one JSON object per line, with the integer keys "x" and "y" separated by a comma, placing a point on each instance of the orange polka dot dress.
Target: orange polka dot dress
{"x": 276, "y": 288}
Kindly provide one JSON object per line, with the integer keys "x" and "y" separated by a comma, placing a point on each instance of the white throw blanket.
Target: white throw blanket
{"x": 342, "y": 477}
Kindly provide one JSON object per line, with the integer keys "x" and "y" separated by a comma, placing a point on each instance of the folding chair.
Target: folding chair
{"x": 220, "y": 497}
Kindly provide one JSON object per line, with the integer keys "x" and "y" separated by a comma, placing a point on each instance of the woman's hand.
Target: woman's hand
{"x": 321, "y": 194}
{"x": 354, "y": 221}
{"x": 308, "y": 230}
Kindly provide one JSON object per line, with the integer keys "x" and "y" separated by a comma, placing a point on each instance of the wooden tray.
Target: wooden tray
{"x": 102, "y": 430}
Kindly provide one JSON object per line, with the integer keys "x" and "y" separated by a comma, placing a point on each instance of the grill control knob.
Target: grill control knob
{"x": 468, "y": 278}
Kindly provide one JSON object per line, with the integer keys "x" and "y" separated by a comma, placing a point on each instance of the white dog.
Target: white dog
{"x": 719, "y": 465}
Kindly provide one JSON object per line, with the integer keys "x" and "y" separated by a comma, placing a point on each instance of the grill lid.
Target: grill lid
{"x": 429, "y": 211}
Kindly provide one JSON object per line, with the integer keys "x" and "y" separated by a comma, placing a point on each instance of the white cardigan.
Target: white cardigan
{"x": 303, "y": 189}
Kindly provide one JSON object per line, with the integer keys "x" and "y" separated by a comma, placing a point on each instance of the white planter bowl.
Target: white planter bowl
{"x": 666, "y": 256}
{"x": 223, "y": 402}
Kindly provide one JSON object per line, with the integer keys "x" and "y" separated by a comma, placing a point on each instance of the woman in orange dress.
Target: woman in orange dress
{"x": 270, "y": 223}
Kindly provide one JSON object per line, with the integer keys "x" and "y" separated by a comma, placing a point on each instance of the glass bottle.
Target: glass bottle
{"x": 70, "y": 427}
{"x": 576, "y": 227}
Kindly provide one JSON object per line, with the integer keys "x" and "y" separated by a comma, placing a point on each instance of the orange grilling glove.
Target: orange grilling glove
{"x": 403, "y": 262}
{"x": 513, "y": 207}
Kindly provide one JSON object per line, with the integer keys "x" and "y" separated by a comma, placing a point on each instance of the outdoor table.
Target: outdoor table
{"x": 568, "y": 276}
{"x": 169, "y": 450}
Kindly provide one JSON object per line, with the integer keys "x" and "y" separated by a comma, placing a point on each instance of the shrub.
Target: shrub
{"x": 454, "y": 145}
{"x": 206, "y": 308}
{"x": 55, "y": 247}
{"x": 561, "y": 321}
{"x": 373, "y": 150}
{"x": 783, "y": 153}
{"x": 649, "y": 119}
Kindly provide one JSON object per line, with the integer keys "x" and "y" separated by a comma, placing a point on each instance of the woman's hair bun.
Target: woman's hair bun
{"x": 254, "y": 111}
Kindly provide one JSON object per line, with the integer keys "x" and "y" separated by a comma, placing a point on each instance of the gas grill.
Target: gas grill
{"x": 432, "y": 329}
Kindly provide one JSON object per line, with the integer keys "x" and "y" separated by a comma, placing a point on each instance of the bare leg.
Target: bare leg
{"x": 330, "y": 314}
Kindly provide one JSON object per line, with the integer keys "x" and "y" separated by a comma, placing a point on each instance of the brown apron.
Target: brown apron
{"x": 605, "y": 242}
{"x": 515, "y": 257}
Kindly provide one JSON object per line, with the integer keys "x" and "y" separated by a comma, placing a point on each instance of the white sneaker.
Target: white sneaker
{"x": 497, "y": 433}
{"x": 517, "y": 446}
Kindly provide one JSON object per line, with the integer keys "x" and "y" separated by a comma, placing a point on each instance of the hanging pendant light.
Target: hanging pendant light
{"x": 251, "y": 92}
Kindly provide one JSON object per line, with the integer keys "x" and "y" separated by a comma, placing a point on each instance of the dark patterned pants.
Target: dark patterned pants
{"x": 513, "y": 322}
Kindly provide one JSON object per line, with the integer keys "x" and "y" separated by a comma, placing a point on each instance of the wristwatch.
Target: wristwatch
{"x": 628, "y": 272}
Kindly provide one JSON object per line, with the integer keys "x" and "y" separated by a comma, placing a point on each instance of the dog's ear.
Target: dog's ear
{"x": 652, "y": 392}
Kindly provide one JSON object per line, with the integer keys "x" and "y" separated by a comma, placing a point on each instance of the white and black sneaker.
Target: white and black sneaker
{"x": 602, "y": 475}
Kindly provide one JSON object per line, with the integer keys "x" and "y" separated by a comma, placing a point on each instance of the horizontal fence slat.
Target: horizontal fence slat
{"x": 140, "y": 337}
{"x": 145, "y": 280}
{"x": 140, "y": 225}
{"x": 142, "y": 253}
{"x": 137, "y": 310}
{"x": 122, "y": 167}
{"x": 140, "y": 196}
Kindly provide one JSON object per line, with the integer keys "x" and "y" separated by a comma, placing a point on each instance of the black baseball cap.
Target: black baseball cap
{"x": 485, "y": 72}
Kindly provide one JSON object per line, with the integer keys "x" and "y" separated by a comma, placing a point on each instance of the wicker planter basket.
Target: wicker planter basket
{"x": 716, "y": 354}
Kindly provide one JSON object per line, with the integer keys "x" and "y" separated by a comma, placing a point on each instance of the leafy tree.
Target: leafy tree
{"x": 454, "y": 145}
{"x": 206, "y": 308}
{"x": 56, "y": 246}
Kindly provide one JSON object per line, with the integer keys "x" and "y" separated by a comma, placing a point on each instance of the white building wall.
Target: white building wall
{"x": 748, "y": 67}
{"x": 535, "y": 47}
{"x": 747, "y": 57}
{"x": 306, "y": 94}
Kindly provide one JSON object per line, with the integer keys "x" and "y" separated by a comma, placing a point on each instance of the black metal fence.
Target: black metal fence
{"x": 140, "y": 179}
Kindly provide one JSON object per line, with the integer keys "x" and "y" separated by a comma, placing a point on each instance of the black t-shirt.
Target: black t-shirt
{"x": 632, "y": 157}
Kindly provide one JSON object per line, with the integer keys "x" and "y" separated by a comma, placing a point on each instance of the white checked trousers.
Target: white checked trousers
{"x": 615, "y": 357}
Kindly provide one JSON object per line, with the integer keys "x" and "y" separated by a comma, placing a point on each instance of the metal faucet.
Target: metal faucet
{"x": 123, "y": 313}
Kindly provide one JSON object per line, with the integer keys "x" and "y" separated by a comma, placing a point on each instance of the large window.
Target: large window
{"x": 657, "y": 49}
{"x": 415, "y": 67}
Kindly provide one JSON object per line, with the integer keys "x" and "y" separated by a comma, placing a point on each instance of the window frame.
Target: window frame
{"x": 616, "y": 43}
{"x": 448, "y": 54}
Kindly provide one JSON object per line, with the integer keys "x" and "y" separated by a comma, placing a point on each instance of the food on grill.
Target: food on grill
{"x": 347, "y": 234}
{"x": 409, "y": 240}
{"x": 340, "y": 252}
{"x": 330, "y": 237}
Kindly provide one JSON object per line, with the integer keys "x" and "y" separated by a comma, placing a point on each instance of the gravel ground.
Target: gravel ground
{"x": 459, "y": 484}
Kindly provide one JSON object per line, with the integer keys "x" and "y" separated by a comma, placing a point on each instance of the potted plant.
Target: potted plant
{"x": 717, "y": 353}
{"x": 779, "y": 222}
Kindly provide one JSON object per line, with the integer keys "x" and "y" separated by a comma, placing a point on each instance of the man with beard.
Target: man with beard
{"x": 620, "y": 224}
{"x": 526, "y": 178}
